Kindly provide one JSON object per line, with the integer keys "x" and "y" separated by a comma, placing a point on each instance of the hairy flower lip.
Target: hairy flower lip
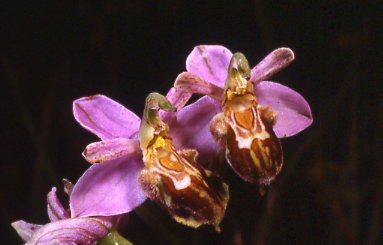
{"x": 174, "y": 179}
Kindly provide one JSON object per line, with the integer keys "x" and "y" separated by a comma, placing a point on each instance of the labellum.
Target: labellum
{"x": 246, "y": 128}
{"x": 191, "y": 194}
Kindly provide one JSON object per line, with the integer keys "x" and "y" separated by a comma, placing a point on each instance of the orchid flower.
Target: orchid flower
{"x": 207, "y": 70}
{"x": 254, "y": 112}
{"x": 64, "y": 228}
{"x": 110, "y": 186}
{"x": 191, "y": 194}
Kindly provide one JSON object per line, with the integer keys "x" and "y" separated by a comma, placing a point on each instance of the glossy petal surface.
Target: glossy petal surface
{"x": 105, "y": 117}
{"x": 192, "y": 129}
{"x": 294, "y": 114}
{"x": 108, "y": 188}
{"x": 210, "y": 62}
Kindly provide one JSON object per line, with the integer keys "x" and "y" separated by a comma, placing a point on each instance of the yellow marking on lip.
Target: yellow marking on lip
{"x": 169, "y": 163}
{"x": 265, "y": 156}
{"x": 256, "y": 161}
{"x": 202, "y": 194}
{"x": 244, "y": 119}
{"x": 267, "y": 149}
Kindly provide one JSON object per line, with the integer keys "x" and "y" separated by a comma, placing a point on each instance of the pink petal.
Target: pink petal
{"x": 191, "y": 83}
{"x": 82, "y": 230}
{"x": 107, "y": 150}
{"x": 178, "y": 98}
{"x": 56, "y": 211}
{"x": 294, "y": 113}
{"x": 192, "y": 129}
{"x": 271, "y": 64}
{"x": 24, "y": 229}
{"x": 210, "y": 62}
{"x": 108, "y": 188}
{"x": 105, "y": 117}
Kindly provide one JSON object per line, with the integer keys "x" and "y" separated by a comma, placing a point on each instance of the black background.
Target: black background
{"x": 330, "y": 190}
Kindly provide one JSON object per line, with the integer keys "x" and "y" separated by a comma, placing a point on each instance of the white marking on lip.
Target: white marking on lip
{"x": 245, "y": 142}
{"x": 183, "y": 183}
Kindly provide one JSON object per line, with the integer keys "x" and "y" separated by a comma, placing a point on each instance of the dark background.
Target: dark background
{"x": 331, "y": 188}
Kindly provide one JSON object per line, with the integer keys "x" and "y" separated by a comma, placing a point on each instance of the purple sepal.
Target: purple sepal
{"x": 105, "y": 117}
{"x": 210, "y": 62}
{"x": 192, "y": 129}
{"x": 294, "y": 113}
{"x": 108, "y": 188}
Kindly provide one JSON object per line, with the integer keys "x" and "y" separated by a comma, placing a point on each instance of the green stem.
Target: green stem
{"x": 114, "y": 238}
